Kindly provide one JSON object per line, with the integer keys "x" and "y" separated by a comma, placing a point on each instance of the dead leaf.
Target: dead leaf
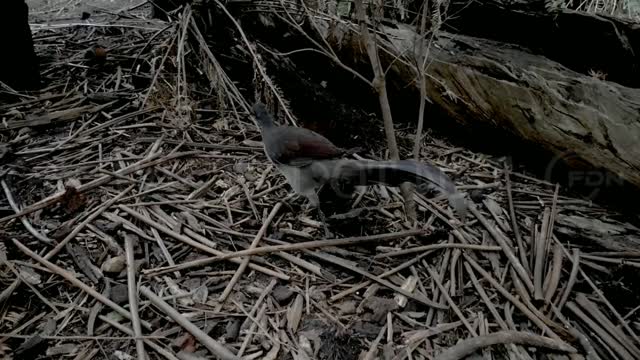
{"x": 114, "y": 264}
{"x": 282, "y": 294}
{"x": 221, "y": 124}
{"x": 122, "y": 356}
{"x": 61, "y": 350}
{"x": 29, "y": 275}
{"x": 346, "y": 307}
{"x": 305, "y": 344}
{"x": 273, "y": 352}
{"x": 186, "y": 343}
{"x": 201, "y": 294}
{"x": 174, "y": 289}
{"x": 409, "y": 285}
{"x": 294, "y": 313}
{"x": 72, "y": 199}
{"x": 192, "y": 222}
{"x": 221, "y": 184}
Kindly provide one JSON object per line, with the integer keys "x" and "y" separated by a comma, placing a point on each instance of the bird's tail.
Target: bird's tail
{"x": 393, "y": 173}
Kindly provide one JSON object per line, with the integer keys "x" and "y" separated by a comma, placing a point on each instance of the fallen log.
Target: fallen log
{"x": 579, "y": 118}
{"x": 587, "y": 122}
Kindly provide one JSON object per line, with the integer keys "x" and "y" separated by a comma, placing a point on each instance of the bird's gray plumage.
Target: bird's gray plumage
{"x": 309, "y": 161}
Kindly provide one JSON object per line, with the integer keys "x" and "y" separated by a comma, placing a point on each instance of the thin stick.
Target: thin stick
{"x": 288, "y": 247}
{"x": 373, "y": 348}
{"x": 152, "y": 86}
{"x": 215, "y": 347}
{"x": 556, "y": 272}
{"x": 535, "y": 319}
{"x": 604, "y": 321}
{"x": 541, "y": 245}
{"x": 613, "y": 310}
{"x": 195, "y": 244}
{"x": 420, "y": 59}
{"x": 591, "y": 353}
{"x": 379, "y": 85}
{"x": 252, "y": 328}
{"x": 505, "y": 247}
{"x": 453, "y": 305}
{"x": 55, "y": 198}
{"x": 438, "y": 246}
{"x": 25, "y": 222}
{"x": 163, "y": 247}
{"x": 522, "y": 250}
{"x": 572, "y": 279}
{"x": 485, "y": 297}
{"x": 85, "y": 222}
{"x": 245, "y": 261}
{"x": 342, "y": 263}
{"x": 267, "y": 290}
{"x": 133, "y": 296}
{"x": 363, "y": 285}
{"x": 73, "y": 280}
{"x": 600, "y": 332}
{"x": 147, "y": 340}
{"x": 471, "y": 345}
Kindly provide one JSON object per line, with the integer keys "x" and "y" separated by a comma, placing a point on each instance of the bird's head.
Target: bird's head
{"x": 263, "y": 118}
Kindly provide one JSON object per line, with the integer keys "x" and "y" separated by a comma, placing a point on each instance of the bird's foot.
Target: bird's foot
{"x": 314, "y": 203}
{"x": 291, "y": 198}
{"x": 294, "y": 202}
{"x": 353, "y": 150}
{"x": 327, "y": 234}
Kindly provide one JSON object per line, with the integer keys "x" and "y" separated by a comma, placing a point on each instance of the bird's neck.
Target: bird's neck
{"x": 264, "y": 120}
{"x": 266, "y": 125}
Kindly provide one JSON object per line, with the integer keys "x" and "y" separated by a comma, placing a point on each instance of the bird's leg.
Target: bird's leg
{"x": 314, "y": 201}
{"x": 292, "y": 197}
{"x": 327, "y": 233}
{"x": 351, "y": 151}
{"x": 289, "y": 200}
{"x": 336, "y": 196}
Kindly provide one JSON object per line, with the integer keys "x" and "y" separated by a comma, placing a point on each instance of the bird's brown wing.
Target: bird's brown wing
{"x": 299, "y": 146}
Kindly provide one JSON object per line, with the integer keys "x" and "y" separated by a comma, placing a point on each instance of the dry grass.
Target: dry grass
{"x": 145, "y": 172}
{"x": 620, "y": 8}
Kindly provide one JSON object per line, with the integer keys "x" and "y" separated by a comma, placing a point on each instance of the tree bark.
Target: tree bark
{"x": 504, "y": 87}
{"x": 580, "y": 118}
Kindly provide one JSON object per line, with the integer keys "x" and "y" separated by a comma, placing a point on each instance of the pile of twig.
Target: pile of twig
{"x": 141, "y": 219}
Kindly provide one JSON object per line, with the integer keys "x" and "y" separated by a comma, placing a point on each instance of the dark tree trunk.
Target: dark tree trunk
{"x": 18, "y": 63}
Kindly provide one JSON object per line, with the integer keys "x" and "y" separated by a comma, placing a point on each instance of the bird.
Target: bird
{"x": 310, "y": 161}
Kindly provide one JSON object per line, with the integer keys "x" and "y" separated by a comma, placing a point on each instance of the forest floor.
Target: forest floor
{"x": 48, "y": 10}
{"x": 147, "y": 157}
